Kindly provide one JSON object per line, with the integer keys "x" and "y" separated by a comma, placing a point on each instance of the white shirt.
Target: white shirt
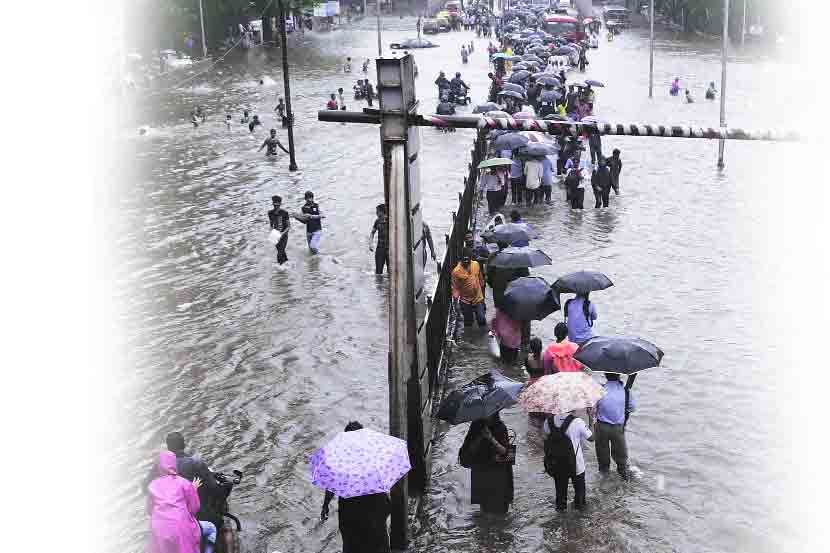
{"x": 577, "y": 431}
{"x": 533, "y": 172}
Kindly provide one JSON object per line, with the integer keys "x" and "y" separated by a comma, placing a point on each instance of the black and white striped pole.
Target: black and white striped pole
{"x": 723, "y": 55}
{"x": 568, "y": 128}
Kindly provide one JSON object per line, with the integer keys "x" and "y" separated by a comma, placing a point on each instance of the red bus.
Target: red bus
{"x": 565, "y": 26}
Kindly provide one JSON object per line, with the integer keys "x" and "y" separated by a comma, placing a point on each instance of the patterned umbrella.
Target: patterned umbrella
{"x": 360, "y": 462}
{"x": 561, "y": 393}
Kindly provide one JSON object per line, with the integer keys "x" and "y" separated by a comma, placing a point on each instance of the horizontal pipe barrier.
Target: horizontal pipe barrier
{"x": 570, "y": 128}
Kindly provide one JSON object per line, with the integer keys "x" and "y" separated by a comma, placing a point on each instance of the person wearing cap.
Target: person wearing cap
{"x": 281, "y": 222}
{"x": 313, "y": 222}
{"x": 468, "y": 289}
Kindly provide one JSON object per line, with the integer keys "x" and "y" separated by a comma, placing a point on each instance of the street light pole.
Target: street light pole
{"x": 292, "y": 164}
{"x": 723, "y": 53}
{"x": 202, "y": 22}
{"x": 743, "y": 26}
{"x": 651, "y": 49}
{"x": 380, "y": 48}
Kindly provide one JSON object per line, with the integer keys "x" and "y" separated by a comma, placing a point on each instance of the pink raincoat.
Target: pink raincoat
{"x": 559, "y": 357}
{"x": 507, "y": 330}
{"x": 171, "y": 502}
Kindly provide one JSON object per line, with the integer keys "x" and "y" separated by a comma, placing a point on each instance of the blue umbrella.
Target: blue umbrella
{"x": 510, "y": 232}
{"x": 512, "y": 94}
{"x": 618, "y": 354}
{"x": 499, "y": 56}
{"x": 529, "y": 299}
{"x": 547, "y": 79}
{"x": 538, "y": 149}
{"x": 487, "y": 106}
{"x": 519, "y": 76}
{"x": 514, "y": 87}
{"x": 592, "y": 82}
{"x": 484, "y": 396}
{"x": 519, "y": 258}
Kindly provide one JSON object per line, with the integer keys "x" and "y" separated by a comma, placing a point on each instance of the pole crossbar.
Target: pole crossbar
{"x": 568, "y": 128}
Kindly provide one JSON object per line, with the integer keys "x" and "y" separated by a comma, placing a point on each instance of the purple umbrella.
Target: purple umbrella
{"x": 360, "y": 462}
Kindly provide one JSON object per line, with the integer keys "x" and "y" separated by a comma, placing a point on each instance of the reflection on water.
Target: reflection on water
{"x": 260, "y": 364}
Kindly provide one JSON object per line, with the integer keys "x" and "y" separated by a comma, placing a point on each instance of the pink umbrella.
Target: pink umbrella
{"x": 561, "y": 393}
{"x": 360, "y": 462}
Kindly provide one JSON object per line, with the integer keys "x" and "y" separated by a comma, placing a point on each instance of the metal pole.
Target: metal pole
{"x": 380, "y": 48}
{"x": 651, "y": 49}
{"x": 743, "y": 26}
{"x": 202, "y": 22}
{"x": 724, "y": 48}
{"x": 292, "y": 164}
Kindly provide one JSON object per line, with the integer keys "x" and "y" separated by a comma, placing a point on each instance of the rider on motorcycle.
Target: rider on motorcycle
{"x": 458, "y": 87}
{"x": 442, "y": 82}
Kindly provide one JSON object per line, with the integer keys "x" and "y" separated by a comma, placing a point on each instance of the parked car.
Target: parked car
{"x": 412, "y": 44}
{"x": 430, "y": 27}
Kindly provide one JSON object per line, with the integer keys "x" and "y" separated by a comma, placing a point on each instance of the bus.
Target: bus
{"x": 565, "y": 26}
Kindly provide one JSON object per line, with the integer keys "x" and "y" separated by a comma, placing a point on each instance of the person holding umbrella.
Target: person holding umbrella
{"x": 361, "y": 514}
{"x": 580, "y": 315}
{"x": 610, "y": 425}
{"x": 468, "y": 289}
{"x": 509, "y": 333}
{"x": 484, "y": 452}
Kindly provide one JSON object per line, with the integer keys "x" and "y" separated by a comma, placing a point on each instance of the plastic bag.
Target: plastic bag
{"x": 274, "y": 236}
{"x": 493, "y": 345}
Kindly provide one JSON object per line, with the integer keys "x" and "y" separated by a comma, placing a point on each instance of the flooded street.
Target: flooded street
{"x": 258, "y": 365}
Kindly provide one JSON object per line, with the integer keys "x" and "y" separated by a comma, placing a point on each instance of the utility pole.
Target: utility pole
{"x": 292, "y": 164}
{"x": 723, "y": 54}
{"x": 202, "y": 22}
{"x": 651, "y": 49}
{"x": 380, "y": 48}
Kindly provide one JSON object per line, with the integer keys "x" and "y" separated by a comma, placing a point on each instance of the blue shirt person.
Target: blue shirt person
{"x": 609, "y": 431}
{"x": 580, "y": 319}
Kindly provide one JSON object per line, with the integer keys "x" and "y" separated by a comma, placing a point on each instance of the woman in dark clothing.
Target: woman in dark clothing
{"x": 491, "y": 480}
{"x": 361, "y": 520}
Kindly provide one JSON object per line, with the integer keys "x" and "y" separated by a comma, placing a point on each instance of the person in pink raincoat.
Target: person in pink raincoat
{"x": 559, "y": 356}
{"x": 171, "y": 504}
{"x": 509, "y": 333}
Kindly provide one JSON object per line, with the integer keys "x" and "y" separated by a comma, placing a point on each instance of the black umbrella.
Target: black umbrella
{"x": 549, "y": 96}
{"x": 487, "y": 394}
{"x": 512, "y": 94}
{"x": 518, "y": 258}
{"x": 554, "y": 117}
{"x": 521, "y": 67}
{"x": 510, "y": 141}
{"x": 548, "y": 80}
{"x": 582, "y": 282}
{"x": 538, "y": 149}
{"x": 532, "y": 57}
{"x": 529, "y": 299}
{"x": 513, "y": 86}
{"x": 618, "y": 354}
{"x": 519, "y": 76}
{"x": 510, "y": 232}
{"x": 487, "y": 106}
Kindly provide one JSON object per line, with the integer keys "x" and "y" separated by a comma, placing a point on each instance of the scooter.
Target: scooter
{"x": 227, "y": 535}
{"x": 462, "y": 98}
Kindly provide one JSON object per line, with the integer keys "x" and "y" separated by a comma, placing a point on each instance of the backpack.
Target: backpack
{"x": 560, "y": 457}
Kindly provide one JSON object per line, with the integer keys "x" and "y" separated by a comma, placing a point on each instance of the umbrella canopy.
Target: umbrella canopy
{"x": 523, "y": 115}
{"x": 555, "y": 117}
{"x": 521, "y": 67}
{"x": 499, "y": 56}
{"x": 561, "y": 393}
{"x": 593, "y": 119}
{"x": 513, "y": 86}
{"x": 592, "y": 82}
{"x": 618, "y": 354}
{"x": 582, "y": 282}
{"x": 487, "y": 106}
{"x": 538, "y": 150}
{"x": 512, "y": 94}
{"x": 487, "y": 394}
{"x": 360, "y": 462}
{"x": 510, "y": 141}
{"x": 519, "y": 76}
{"x": 510, "y": 232}
{"x": 528, "y": 298}
{"x": 545, "y": 74}
{"x": 532, "y": 57}
{"x": 549, "y": 96}
{"x": 514, "y": 58}
{"x": 497, "y": 114}
{"x": 548, "y": 80}
{"x": 495, "y": 162}
{"x": 519, "y": 258}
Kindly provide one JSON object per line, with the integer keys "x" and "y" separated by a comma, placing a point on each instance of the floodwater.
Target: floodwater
{"x": 259, "y": 365}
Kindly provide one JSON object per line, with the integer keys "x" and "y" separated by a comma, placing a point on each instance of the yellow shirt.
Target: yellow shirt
{"x": 467, "y": 283}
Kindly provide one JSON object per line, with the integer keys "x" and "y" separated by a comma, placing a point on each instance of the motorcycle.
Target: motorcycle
{"x": 227, "y": 535}
{"x": 461, "y": 98}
